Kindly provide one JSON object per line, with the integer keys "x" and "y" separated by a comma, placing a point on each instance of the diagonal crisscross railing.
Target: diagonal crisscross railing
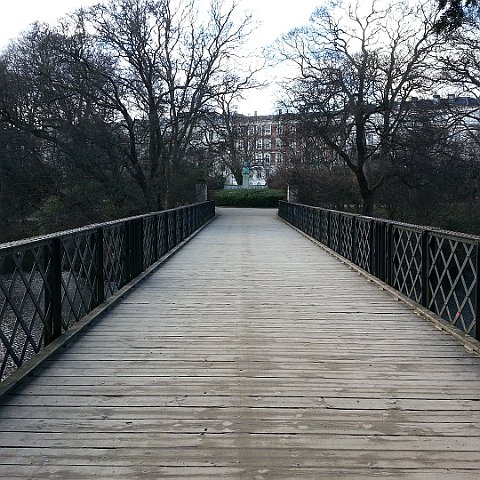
{"x": 435, "y": 268}
{"x": 407, "y": 262}
{"x": 48, "y": 284}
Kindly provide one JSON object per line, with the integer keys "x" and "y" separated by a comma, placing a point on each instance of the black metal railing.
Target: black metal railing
{"x": 435, "y": 268}
{"x": 49, "y": 283}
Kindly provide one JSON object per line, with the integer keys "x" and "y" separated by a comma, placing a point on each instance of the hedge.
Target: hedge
{"x": 265, "y": 198}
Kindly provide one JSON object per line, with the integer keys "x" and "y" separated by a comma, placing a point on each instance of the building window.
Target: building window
{"x": 278, "y": 142}
{"x": 267, "y": 143}
{"x": 268, "y": 129}
{"x": 266, "y": 158}
{"x": 259, "y": 143}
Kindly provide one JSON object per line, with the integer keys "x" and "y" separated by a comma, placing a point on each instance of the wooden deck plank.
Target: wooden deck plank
{"x": 250, "y": 354}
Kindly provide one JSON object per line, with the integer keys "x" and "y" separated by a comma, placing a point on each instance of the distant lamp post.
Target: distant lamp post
{"x": 245, "y": 174}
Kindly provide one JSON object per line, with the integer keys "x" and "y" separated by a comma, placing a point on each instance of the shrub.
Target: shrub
{"x": 248, "y": 198}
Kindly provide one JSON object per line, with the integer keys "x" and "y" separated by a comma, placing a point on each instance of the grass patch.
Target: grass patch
{"x": 265, "y": 198}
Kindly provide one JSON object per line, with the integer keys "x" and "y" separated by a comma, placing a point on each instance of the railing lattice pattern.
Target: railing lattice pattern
{"x": 435, "y": 268}
{"x": 48, "y": 284}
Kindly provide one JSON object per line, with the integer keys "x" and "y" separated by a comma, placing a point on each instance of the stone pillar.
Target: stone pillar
{"x": 292, "y": 194}
{"x": 201, "y": 194}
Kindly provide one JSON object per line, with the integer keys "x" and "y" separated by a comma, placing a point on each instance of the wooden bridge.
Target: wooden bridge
{"x": 251, "y": 354}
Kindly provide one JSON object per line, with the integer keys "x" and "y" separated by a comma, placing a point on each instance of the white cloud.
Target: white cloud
{"x": 17, "y": 15}
{"x": 274, "y": 16}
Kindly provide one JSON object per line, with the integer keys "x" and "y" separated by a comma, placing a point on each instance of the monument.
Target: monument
{"x": 245, "y": 175}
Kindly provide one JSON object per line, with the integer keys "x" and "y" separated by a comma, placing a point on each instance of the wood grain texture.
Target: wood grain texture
{"x": 251, "y": 354}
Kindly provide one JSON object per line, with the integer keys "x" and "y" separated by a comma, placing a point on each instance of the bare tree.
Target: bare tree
{"x": 355, "y": 71}
{"x": 43, "y": 96}
{"x": 461, "y": 60}
{"x": 166, "y": 65}
{"x": 231, "y": 137}
{"x": 430, "y": 164}
{"x": 236, "y": 141}
{"x": 149, "y": 68}
{"x": 460, "y": 63}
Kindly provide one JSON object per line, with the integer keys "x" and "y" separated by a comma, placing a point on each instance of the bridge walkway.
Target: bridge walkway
{"x": 251, "y": 354}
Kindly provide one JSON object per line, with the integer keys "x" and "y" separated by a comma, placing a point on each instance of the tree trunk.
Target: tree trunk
{"x": 237, "y": 173}
{"x": 368, "y": 204}
{"x": 367, "y": 194}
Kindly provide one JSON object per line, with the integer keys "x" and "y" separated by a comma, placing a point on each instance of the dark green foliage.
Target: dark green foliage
{"x": 266, "y": 198}
{"x": 462, "y": 218}
{"x": 25, "y": 182}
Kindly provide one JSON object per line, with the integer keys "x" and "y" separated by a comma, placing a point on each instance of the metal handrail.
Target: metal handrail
{"x": 436, "y": 268}
{"x": 49, "y": 283}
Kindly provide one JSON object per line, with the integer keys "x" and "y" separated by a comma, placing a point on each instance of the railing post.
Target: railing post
{"x": 164, "y": 233}
{"x": 54, "y": 300}
{"x": 128, "y": 251}
{"x": 182, "y": 212}
{"x": 172, "y": 229}
{"x": 376, "y": 253}
{"x": 389, "y": 255}
{"x": 189, "y": 221}
{"x": 154, "y": 239}
{"x": 133, "y": 248}
{"x": 354, "y": 240}
{"x": 476, "y": 334}
{"x": 425, "y": 268}
{"x": 178, "y": 223}
{"x": 195, "y": 217}
{"x": 329, "y": 229}
{"x": 371, "y": 243}
{"x": 381, "y": 251}
{"x": 99, "y": 274}
{"x": 340, "y": 226}
{"x": 320, "y": 224}
{"x": 140, "y": 247}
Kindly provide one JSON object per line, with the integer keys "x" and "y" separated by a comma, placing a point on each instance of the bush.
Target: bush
{"x": 248, "y": 198}
{"x": 332, "y": 187}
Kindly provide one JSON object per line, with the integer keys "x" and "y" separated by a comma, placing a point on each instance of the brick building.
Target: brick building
{"x": 265, "y": 142}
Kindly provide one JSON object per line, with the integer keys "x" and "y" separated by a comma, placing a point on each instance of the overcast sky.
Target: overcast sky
{"x": 276, "y": 17}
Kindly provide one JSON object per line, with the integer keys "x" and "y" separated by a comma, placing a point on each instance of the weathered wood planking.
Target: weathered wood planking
{"x": 251, "y": 354}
